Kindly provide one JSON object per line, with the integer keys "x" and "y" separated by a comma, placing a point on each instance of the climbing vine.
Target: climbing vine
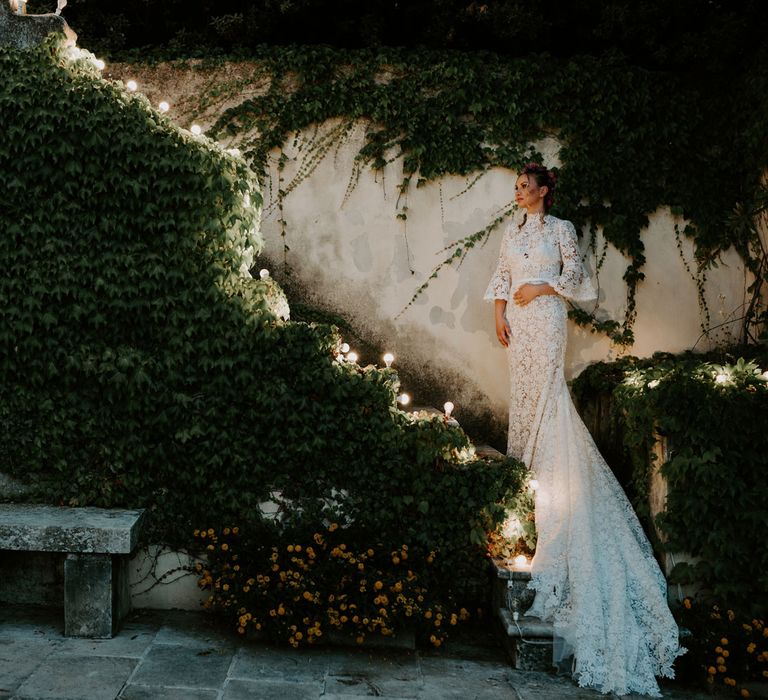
{"x": 632, "y": 141}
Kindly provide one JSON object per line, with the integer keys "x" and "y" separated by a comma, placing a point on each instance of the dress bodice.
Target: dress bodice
{"x": 541, "y": 250}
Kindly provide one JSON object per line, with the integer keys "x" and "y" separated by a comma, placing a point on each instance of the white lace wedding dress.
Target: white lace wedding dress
{"x": 594, "y": 572}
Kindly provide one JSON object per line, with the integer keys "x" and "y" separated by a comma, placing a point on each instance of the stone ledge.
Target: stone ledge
{"x": 38, "y": 528}
{"x": 506, "y": 573}
{"x": 525, "y": 627}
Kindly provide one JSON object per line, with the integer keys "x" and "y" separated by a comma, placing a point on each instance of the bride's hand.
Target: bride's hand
{"x": 503, "y": 331}
{"x": 528, "y": 292}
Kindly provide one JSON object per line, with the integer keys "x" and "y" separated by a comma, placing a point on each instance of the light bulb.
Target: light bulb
{"x": 521, "y": 560}
{"x": 388, "y": 358}
{"x": 163, "y": 106}
{"x": 352, "y": 356}
{"x": 448, "y": 408}
{"x": 345, "y": 348}
{"x": 534, "y": 484}
{"x": 99, "y": 64}
{"x": 404, "y": 399}
{"x": 196, "y": 130}
{"x": 764, "y": 375}
{"x": 132, "y": 85}
{"x": 264, "y": 273}
{"x": 233, "y": 151}
{"x": 721, "y": 379}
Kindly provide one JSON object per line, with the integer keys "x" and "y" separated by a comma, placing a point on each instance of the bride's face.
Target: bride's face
{"x": 529, "y": 195}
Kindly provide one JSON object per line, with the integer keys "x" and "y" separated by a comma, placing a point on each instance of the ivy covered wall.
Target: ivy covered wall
{"x": 362, "y": 241}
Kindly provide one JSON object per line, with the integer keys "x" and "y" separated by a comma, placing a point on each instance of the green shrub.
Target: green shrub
{"x": 713, "y": 417}
{"x": 140, "y": 367}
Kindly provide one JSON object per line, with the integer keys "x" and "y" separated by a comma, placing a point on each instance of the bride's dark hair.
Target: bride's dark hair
{"x": 543, "y": 177}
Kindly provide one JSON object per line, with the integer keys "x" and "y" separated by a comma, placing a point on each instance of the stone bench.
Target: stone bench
{"x": 97, "y": 543}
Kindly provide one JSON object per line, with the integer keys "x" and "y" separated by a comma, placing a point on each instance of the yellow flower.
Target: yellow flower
{"x": 360, "y": 639}
{"x": 307, "y": 595}
{"x": 235, "y": 530}
{"x": 731, "y": 615}
{"x": 225, "y": 547}
{"x": 370, "y": 552}
{"x": 290, "y": 548}
{"x": 726, "y": 653}
{"x": 333, "y": 527}
{"x": 711, "y": 670}
{"x": 428, "y": 614}
{"x": 720, "y": 660}
{"x": 211, "y": 532}
{"x": 226, "y": 530}
{"x": 299, "y": 635}
{"x": 687, "y": 603}
{"x": 226, "y": 586}
{"x": 744, "y": 693}
{"x": 722, "y": 669}
{"x": 241, "y": 630}
{"x": 724, "y": 641}
{"x": 719, "y": 650}
{"x": 751, "y": 647}
{"x": 378, "y": 586}
{"x": 395, "y": 560}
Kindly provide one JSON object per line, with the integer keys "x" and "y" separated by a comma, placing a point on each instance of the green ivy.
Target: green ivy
{"x": 711, "y": 414}
{"x": 633, "y": 140}
{"x": 138, "y": 365}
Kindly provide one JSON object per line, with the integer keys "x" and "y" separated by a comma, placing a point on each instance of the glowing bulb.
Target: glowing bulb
{"x": 233, "y": 151}
{"x": 99, "y": 64}
{"x": 345, "y": 348}
{"x": 132, "y": 85}
{"x": 264, "y": 273}
{"x": 764, "y": 375}
{"x": 352, "y": 356}
{"x": 534, "y": 484}
{"x": 404, "y": 399}
{"x": 721, "y": 378}
{"x": 521, "y": 561}
{"x": 196, "y": 130}
{"x": 164, "y": 106}
{"x": 388, "y": 358}
{"x": 448, "y": 408}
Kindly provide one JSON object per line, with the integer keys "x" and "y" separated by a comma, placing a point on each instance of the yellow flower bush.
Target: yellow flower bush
{"x": 299, "y": 590}
{"x": 724, "y": 647}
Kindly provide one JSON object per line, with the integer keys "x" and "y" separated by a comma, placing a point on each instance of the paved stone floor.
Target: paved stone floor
{"x": 184, "y": 656}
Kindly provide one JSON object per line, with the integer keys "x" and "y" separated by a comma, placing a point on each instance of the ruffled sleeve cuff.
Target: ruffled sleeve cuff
{"x": 574, "y": 282}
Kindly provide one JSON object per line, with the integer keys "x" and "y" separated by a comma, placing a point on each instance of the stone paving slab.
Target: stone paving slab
{"x": 75, "y": 678}
{"x": 184, "y": 656}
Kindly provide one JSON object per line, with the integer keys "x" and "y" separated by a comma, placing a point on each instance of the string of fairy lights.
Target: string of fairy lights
{"x": 345, "y": 354}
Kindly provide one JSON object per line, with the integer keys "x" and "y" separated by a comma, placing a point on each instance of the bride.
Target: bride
{"x": 594, "y": 572}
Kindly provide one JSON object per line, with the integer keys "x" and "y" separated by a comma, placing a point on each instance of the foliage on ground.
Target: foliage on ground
{"x": 301, "y": 586}
{"x": 724, "y": 648}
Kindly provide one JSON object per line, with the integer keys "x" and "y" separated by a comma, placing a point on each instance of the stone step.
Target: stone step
{"x": 528, "y": 640}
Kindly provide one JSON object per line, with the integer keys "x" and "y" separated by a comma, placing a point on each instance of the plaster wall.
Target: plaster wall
{"x": 351, "y": 254}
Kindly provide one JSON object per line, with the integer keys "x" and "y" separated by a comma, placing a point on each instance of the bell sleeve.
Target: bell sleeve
{"x": 498, "y": 287}
{"x": 574, "y": 282}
